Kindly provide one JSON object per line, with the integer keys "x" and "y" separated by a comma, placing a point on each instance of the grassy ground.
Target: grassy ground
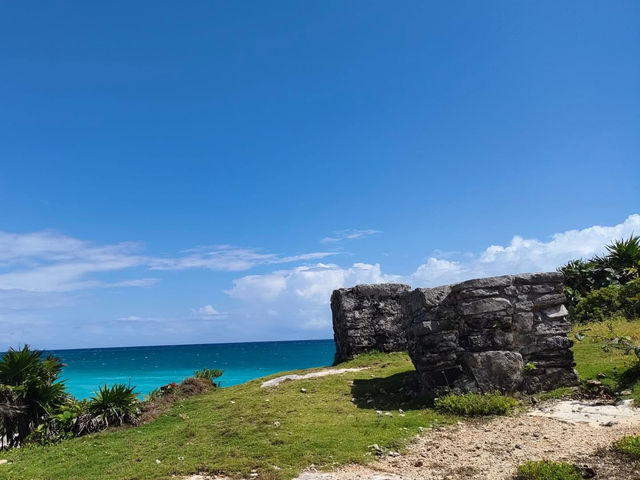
{"x": 277, "y": 432}
{"x": 617, "y": 367}
{"x": 215, "y": 431}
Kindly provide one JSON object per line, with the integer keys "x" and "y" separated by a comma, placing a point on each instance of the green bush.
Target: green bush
{"x": 208, "y": 374}
{"x": 629, "y": 445}
{"x": 30, "y": 391}
{"x": 476, "y": 404}
{"x": 630, "y": 298}
{"x": 545, "y": 470}
{"x": 115, "y": 405}
{"x": 598, "y": 305}
{"x": 619, "y": 266}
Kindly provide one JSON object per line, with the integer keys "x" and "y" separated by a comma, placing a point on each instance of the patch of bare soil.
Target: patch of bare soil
{"x": 493, "y": 450}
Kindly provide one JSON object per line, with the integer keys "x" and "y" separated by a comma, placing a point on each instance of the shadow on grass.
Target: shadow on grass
{"x": 629, "y": 378}
{"x": 401, "y": 390}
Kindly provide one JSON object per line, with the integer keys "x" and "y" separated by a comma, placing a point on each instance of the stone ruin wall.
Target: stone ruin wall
{"x": 369, "y": 317}
{"x": 505, "y": 333}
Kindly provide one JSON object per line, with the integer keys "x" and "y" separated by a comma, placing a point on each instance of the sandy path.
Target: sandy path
{"x": 493, "y": 449}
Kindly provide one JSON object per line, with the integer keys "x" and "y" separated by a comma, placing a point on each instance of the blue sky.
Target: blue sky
{"x": 209, "y": 171}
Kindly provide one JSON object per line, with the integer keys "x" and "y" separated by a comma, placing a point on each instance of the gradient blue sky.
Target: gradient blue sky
{"x": 192, "y": 172}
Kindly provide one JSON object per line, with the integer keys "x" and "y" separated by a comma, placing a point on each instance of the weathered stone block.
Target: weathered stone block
{"x": 472, "y": 336}
{"x": 484, "y": 306}
{"x": 495, "y": 370}
{"x": 369, "y": 317}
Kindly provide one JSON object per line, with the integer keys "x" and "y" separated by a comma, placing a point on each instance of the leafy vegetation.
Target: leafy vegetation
{"x": 545, "y": 470}
{"x": 208, "y": 374}
{"x": 30, "y": 391}
{"x": 629, "y": 445}
{"x": 474, "y": 404}
{"x": 595, "y": 288}
{"x": 115, "y": 405}
{"x": 274, "y": 431}
{"x": 35, "y": 408}
{"x": 279, "y": 431}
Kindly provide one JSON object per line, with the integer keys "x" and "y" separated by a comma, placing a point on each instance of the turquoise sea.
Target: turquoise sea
{"x": 151, "y": 367}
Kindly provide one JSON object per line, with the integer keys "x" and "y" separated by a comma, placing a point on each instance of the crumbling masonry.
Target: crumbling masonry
{"x": 505, "y": 333}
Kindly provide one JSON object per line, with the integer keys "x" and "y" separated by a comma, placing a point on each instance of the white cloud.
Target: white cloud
{"x": 207, "y": 312}
{"x": 300, "y": 295}
{"x": 309, "y": 283}
{"x": 48, "y": 261}
{"x": 229, "y": 258}
{"x": 349, "y": 234}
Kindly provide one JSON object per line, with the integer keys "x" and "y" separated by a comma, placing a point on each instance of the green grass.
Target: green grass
{"x": 629, "y": 445}
{"x": 278, "y": 432}
{"x": 473, "y": 404}
{"x": 234, "y": 430}
{"x": 548, "y": 471}
{"x": 621, "y": 371}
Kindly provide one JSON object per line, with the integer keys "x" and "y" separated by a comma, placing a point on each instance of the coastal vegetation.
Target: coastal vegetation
{"x": 277, "y": 432}
{"x": 36, "y": 409}
{"x": 30, "y": 391}
{"x": 605, "y": 286}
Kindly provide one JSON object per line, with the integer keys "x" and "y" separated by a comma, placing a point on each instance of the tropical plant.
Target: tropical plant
{"x": 72, "y": 420}
{"x": 619, "y": 266}
{"x": 30, "y": 390}
{"x": 630, "y": 298}
{"x": 115, "y": 405}
{"x": 208, "y": 373}
{"x": 598, "y": 305}
{"x": 624, "y": 256}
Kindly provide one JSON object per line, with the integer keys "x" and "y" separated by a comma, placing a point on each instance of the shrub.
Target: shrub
{"x": 72, "y": 420}
{"x": 629, "y": 445}
{"x": 115, "y": 405}
{"x": 29, "y": 390}
{"x": 620, "y": 265}
{"x": 208, "y": 373}
{"x": 545, "y": 470}
{"x": 630, "y": 298}
{"x": 598, "y": 305}
{"x": 476, "y": 404}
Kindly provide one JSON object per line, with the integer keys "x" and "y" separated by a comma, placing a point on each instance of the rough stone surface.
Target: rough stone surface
{"x": 506, "y": 333}
{"x": 503, "y": 333}
{"x": 369, "y": 317}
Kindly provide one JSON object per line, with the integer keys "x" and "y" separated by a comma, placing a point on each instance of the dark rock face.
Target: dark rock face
{"x": 369, "y": 317}
{"x": 503, "y": 333}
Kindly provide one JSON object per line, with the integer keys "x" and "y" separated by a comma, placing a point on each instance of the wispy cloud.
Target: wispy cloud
{"x": 207, "y": 312}
{"x": 229, "y": 258}
{"x": 49, "y": 261}
{"x": 350, "y": 234}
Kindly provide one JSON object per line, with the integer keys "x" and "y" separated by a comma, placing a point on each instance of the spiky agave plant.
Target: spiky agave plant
{"x": 30, "y": 391}
{"x": 115, "y": 405}
{"x": 624, "y": 257}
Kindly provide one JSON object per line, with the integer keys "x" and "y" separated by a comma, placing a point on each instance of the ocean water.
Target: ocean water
{"x": 151, "y": 367}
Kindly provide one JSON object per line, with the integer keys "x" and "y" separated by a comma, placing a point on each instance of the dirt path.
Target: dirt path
{"x": 493, "y": 449}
